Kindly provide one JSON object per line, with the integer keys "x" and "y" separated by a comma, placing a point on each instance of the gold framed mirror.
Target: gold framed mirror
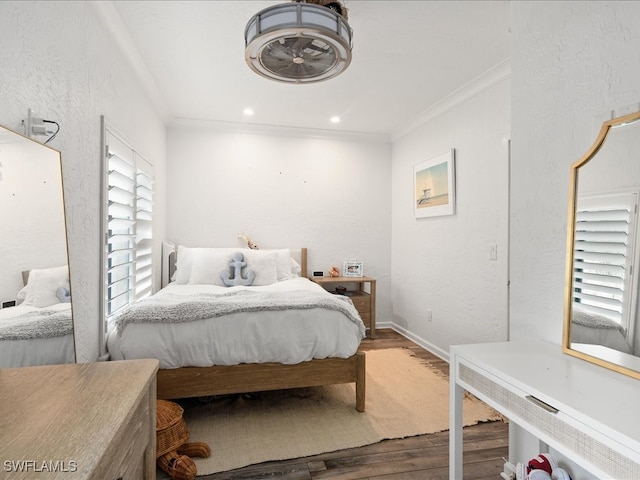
{"x": 601, "y": 320}
{"x": 36, "y": 321}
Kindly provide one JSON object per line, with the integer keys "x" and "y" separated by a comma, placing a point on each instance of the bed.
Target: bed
{"x": 281, "y": 331}
{"x": 595, "y": 329}
{"x": 39, "y": 329}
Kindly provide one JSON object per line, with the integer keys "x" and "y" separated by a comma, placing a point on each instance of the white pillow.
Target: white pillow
{"x": 42, "y": 286}
{"x": 207, "y": 265}
{"x": 264, "y": 263}
{"x": 296, "y": 269}
{"x": 188, "y": 257}
{"x": 283, "y": 263}
{"x": 21, "y": 296}
{"x": 183, "y": 264}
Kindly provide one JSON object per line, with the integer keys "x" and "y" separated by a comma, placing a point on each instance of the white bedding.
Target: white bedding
{"x": 592, "y": 328}
{"x": 34, "y": 351}
{"x": 284, "y": 336}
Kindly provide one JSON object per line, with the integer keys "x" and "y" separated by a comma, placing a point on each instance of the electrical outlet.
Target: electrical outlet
{"x": 36, "y": 125}
{"x": 30, "y": 122}
{"x": 429, "y": 315}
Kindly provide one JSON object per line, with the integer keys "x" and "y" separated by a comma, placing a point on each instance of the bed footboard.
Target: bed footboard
{"x": 255, "y": 377}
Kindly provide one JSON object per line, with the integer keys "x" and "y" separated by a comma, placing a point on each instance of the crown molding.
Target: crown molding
{"x": 482, "y": 82}
{"x": 275, "y": 130}
{"x": 107, "y": 13}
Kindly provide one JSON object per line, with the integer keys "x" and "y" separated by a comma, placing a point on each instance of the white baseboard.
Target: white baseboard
{"x": 416, "y": 339}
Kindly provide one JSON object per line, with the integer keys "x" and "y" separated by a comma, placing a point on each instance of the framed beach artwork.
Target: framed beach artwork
{"x": 434, "y": 186}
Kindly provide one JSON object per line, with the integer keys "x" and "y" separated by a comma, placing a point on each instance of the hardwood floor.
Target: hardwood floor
{"x": 423, "y": 457}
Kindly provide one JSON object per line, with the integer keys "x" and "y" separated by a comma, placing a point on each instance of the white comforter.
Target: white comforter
{"x": 25, "y": 352}
{"x": 285, "y": 336}
{"x": 592, "y": 328}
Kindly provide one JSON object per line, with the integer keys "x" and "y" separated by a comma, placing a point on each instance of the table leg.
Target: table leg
{"x": 455, "y": 428}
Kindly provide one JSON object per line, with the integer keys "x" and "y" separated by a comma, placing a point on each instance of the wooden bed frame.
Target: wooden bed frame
{"x": 255, "y": 377}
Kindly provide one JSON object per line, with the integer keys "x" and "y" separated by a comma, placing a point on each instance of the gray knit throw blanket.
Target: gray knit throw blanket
{"x": 593, "y": 320}
{"x": 38, "y": 324}
{"x": 178, "y": 308}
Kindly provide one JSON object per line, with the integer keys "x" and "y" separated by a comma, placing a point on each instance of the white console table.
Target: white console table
{"x": 585, "y": 412}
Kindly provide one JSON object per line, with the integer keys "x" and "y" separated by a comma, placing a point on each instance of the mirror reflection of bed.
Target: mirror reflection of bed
{"x": 36, "y": 325}
{"x": 603, "y": 298}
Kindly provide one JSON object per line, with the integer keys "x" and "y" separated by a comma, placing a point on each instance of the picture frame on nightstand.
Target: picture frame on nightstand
{"x": 353, "y": 269}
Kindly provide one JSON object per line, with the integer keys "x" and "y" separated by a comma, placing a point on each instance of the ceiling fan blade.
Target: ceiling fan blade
{"x": 301, "y": 43}
{"x": 298, "y": 57}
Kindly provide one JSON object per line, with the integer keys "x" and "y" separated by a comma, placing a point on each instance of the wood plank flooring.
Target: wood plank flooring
{"x": 423, "y": 457}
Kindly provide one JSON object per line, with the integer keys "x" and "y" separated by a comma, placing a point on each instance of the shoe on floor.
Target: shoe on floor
{"x": 538, "y": 475}
{"x": 544, "y": 462}
{"x": 560, "y": 474}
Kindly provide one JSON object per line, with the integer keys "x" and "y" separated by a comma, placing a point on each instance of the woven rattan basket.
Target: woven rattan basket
{"x": 171, "y": 430}
{"x": 328, "y": 3}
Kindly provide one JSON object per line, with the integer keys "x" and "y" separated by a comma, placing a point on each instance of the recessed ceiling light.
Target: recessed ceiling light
{"x": 248, "y": 112}
{"x": 335, "y": 119}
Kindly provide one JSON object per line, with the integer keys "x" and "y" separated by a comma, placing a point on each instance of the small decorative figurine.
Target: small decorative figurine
{"x": 250, "y": 244}
{"x": 334, "y": 272}
{"x": 173, "y": 452}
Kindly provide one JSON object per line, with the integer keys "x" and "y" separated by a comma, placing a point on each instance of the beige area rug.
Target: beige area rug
{"x": 405, "y": 397}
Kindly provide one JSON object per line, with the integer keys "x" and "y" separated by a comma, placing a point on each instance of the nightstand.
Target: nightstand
{"x": 364, "y": 298}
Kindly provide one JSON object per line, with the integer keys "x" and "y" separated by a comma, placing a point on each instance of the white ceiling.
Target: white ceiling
{"x": 407, "y": 56}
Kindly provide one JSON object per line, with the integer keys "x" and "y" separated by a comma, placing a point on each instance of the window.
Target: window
{"x": 603, "y": 265}
{"x": 128, "y": 207}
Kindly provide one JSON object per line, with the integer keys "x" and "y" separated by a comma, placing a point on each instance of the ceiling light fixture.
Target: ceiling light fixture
{"x": 299, "y": 42}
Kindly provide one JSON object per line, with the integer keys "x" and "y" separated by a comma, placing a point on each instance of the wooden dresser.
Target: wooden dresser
{"x": 79, "y": 421}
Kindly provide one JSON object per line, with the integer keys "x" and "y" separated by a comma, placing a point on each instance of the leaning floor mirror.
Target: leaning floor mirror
{"x": 36, "y": 324}
{"x": 603, "y": 250}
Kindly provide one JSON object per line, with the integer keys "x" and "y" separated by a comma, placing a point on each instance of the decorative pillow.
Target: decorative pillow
{"x": 237, "y": 265}
{"x": 42, "y": 286}
{"x": 264, "y": 263}
{"x": 207, "y": 264}
{"x": 63, "y": 292}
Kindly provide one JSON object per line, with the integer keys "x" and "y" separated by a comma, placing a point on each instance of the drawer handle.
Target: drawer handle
{"x": 541, "y": 404}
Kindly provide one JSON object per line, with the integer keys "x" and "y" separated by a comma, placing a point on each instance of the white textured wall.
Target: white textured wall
{"x": 572, "y": 62}
{"x": 57, "y": 59}
{"x": 442, "y": 263}
{"x": 330, "y": 195}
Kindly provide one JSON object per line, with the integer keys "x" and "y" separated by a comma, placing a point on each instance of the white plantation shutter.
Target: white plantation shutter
{"x": 604, "y": 255}
{"x": 144, "y": 235}
{"x": 129, "y": 226}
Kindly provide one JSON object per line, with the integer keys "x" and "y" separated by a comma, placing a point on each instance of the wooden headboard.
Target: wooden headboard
{"x": 169, "y": 257}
